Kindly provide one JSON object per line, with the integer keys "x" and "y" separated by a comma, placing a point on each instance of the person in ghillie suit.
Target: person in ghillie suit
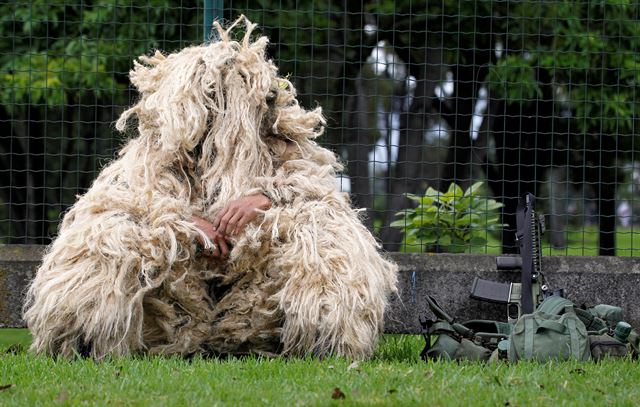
{"x": 218, "y": 229}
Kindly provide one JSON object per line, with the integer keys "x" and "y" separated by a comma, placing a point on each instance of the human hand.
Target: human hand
{"x": 236, "y": 214}
{"x": 221, "y": 247}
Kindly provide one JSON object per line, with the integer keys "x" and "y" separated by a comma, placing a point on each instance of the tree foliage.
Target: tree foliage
{"x": 55, "y": 53}
{"x": 588, "y": 49}
{"x": 63, "y": 68}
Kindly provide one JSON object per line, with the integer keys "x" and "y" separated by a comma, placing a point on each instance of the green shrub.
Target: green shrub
{"x": 449, "y": 222}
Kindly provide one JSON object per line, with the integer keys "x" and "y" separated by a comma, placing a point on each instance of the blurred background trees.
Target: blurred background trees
{"x": 525, "y": 95}
{"x": 63, "y": 68}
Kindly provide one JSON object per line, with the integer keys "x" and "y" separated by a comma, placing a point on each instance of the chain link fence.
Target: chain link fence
{"x": 496, "y": 98}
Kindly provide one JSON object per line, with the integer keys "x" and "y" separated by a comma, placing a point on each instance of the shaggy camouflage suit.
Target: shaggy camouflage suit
{"x": 214, "y": 123}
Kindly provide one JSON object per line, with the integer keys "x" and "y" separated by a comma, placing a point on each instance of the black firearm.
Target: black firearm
{"x": 524, "y": 297}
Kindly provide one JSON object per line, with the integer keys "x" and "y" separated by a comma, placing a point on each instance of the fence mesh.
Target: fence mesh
{"x": 498, "y": 97}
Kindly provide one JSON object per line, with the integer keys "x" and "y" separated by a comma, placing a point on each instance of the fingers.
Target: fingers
{"x": 220, "y": 247}
{"x": 242, "y": 222}
{"x": 205, "y": 227}
{"x": 232, "y": 223}
{"x": 230, "y": 218}
{"x": 218, "y": 218}
{"x": 222, "y": 219}
{"x": 223, "y": 246}
{"x": 234, "y": 216}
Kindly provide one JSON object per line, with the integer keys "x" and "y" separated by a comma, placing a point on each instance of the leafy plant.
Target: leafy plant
{"x": 451, "y": 221}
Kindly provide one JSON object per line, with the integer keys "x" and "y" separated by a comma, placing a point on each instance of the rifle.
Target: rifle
{"x": 524, "y": 297}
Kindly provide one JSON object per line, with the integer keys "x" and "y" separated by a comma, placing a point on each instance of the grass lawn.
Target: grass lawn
{"x": 581, "y": 241}
{"x": 395, "y": 376}
{"x": 584, "y": 242}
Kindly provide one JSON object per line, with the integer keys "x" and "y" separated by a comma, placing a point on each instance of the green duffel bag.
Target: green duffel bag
{"x": 606, "y": 346}
{"x": 542, "y": 337}
{"x": 554, "y": 305}
{"x": 592, "y": 320}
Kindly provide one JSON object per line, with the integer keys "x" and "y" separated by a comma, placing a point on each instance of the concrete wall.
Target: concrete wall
{"x": 18, "y": 264}
{"x": 447, "y": 277}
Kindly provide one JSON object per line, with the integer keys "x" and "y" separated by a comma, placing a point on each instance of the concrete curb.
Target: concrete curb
{"x": 447, "y": 277}
{"x": 18, "y": 264}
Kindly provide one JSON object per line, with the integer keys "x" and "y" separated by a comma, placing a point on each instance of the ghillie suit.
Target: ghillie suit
{"x": 215, "y": 123}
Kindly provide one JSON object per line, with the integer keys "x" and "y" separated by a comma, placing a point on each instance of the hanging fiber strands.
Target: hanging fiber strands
{"x": 215, "y": 123}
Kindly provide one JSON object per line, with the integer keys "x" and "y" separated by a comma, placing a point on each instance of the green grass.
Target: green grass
{"x": 584, "y": 242}
{"x": 395, "y": 376}
{"x": 581, "y": 241}
{"x": 11, "y": 336}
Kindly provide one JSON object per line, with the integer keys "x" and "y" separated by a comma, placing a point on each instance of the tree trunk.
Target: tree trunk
{"x": 407, "y": 175}
{"x": 362, "y": 134}
{"x": 558, "y": 197}
{"x": 521, "y": 139}
{"x": 606, "y": 174}
{"x": 459, "y": 161}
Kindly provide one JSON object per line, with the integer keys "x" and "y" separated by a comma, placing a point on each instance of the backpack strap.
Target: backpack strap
{"x": 528, "y": 337}
{"x": 550, "y": 325}
{"x": 554, "y": 305}
{"x": 439, "y": 327}
{"x": 443, "y": 317}
{"x": 426, "y": 327}
{"x": 590, "y": 321}
{"x": 448, "y": 339}
{"x": 437, "y": 310}
{"x": 573, "y": 337}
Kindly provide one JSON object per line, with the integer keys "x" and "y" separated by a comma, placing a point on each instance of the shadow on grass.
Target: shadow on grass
{"x": 391, "y": 348}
